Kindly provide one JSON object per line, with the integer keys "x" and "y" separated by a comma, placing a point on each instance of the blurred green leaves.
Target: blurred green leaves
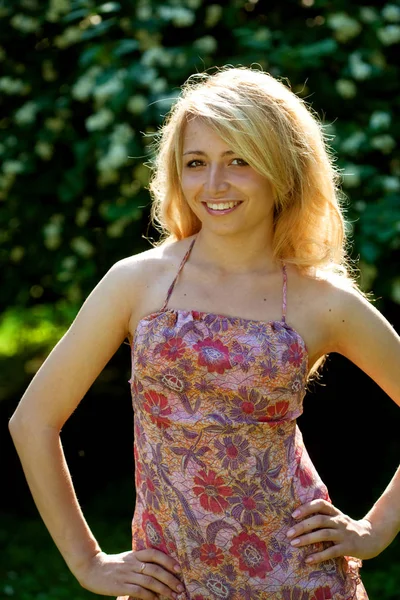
{"x": 85, "y": 83}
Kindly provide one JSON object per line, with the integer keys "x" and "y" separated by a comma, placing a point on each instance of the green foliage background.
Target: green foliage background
{"x": 84, "y": 84}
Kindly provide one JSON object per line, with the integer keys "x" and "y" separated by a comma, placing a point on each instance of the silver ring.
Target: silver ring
{"x": 142, "y": 567}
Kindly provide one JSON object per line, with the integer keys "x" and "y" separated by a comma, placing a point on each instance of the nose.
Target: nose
{"x": 216, "y": 182}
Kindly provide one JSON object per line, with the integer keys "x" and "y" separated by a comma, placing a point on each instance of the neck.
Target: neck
{"x": 231, "y": 254}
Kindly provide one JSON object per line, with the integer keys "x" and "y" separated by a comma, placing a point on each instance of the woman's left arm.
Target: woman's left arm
{"x": 358, "y": 331}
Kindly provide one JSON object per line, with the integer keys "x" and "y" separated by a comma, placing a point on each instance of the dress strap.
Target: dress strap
{"x": 171, "y": 287}
{"x": 284, "y": 293}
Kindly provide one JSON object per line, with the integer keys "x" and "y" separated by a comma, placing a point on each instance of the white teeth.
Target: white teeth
{"x": 221, "y": 205}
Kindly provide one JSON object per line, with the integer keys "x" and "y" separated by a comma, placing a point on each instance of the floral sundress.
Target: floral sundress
{"x": 220, "y": 463}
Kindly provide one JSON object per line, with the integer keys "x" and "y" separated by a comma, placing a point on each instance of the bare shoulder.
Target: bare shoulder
{"x": 332, "y": 304}
{"x": 310, "y": 302}
{"x": 100, "y": 327}
{"x": 326, "y": 309}
{"x": 351, "y": 325}
{"x": 361, "y": 332}
{"x": 354, "y": 320}
{"x": 147, "y": 276}
{"x": 140, "y": 269}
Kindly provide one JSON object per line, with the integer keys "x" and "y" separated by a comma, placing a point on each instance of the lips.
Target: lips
{"x": 221, "y": 207}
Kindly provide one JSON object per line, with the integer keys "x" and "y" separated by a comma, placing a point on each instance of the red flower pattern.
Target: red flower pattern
{"x": 213, "y": 355}
{"x": 304, "y": 469}
{"x": 275, "y": 412}
{"x": 305, "y": 476}
{"x": 173, "y": 349}
{"x": 153, "y": 532}
{"x": 322, "y": 593}
{"x": 212, "y": 491}
{"x": 252, "y": 554}
{"x": 211, "y": 554}
{"x": 157, "y": 406}
{"x": 294, "y": 354}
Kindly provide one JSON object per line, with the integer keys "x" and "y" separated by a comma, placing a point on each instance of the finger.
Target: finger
{"x": 154, "y": 585}
{"x": 156, "y": 556}
{"x": 315, "y": 522}
{"x": 322, "y": 535}
{"x": 136, "y": 592}
{"x": 315, "y": 506}
{"x": 334, "y": 551}
{"x": 158, "y": 579}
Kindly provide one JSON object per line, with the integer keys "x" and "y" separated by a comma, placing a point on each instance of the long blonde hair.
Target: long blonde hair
{"x": 281, "y": 138}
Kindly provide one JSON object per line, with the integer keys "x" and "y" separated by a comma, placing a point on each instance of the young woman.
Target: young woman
{"x": 228, "y": 318}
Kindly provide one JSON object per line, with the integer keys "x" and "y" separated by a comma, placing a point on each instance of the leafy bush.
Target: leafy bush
{"x": 82, "y": 81}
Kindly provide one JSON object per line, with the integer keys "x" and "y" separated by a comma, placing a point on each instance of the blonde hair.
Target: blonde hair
{"x": 282, "y": 139}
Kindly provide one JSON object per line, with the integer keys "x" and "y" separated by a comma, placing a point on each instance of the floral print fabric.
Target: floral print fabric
{"x": 220, "y": 463}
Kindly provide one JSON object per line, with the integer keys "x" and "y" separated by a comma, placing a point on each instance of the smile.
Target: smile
{"x": 221, "y": 207}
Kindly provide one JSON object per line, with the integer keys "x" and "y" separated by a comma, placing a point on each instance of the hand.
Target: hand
{"x": 323, "y": 522}
{"x": 122, "y": 575}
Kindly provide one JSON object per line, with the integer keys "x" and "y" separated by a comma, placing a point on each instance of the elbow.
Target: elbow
{"x": 12, "y": 425}
{"x": 23, "y": 429}
{"x": 29, "y": 424}
{"x": 15, "y": 427}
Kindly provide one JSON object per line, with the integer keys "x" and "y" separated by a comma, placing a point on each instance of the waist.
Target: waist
{"x": 212, "y": 443}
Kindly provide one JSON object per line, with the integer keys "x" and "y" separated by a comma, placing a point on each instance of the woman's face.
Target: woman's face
{"x": 224, "y": 192}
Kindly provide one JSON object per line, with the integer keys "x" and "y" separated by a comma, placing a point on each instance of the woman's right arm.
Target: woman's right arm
{"x": 60, "y": 384}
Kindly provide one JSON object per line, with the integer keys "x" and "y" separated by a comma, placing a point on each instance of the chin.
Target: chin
{"x": 222, "y": 229}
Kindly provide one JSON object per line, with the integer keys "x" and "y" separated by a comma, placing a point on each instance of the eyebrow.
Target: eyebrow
{"x": 200, "y": 153}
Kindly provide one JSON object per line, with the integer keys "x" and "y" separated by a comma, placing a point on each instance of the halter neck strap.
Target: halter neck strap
{"x": 284, "y": 292}
{"x": 171, "y": 287}
{"x": 185, "y": 258}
